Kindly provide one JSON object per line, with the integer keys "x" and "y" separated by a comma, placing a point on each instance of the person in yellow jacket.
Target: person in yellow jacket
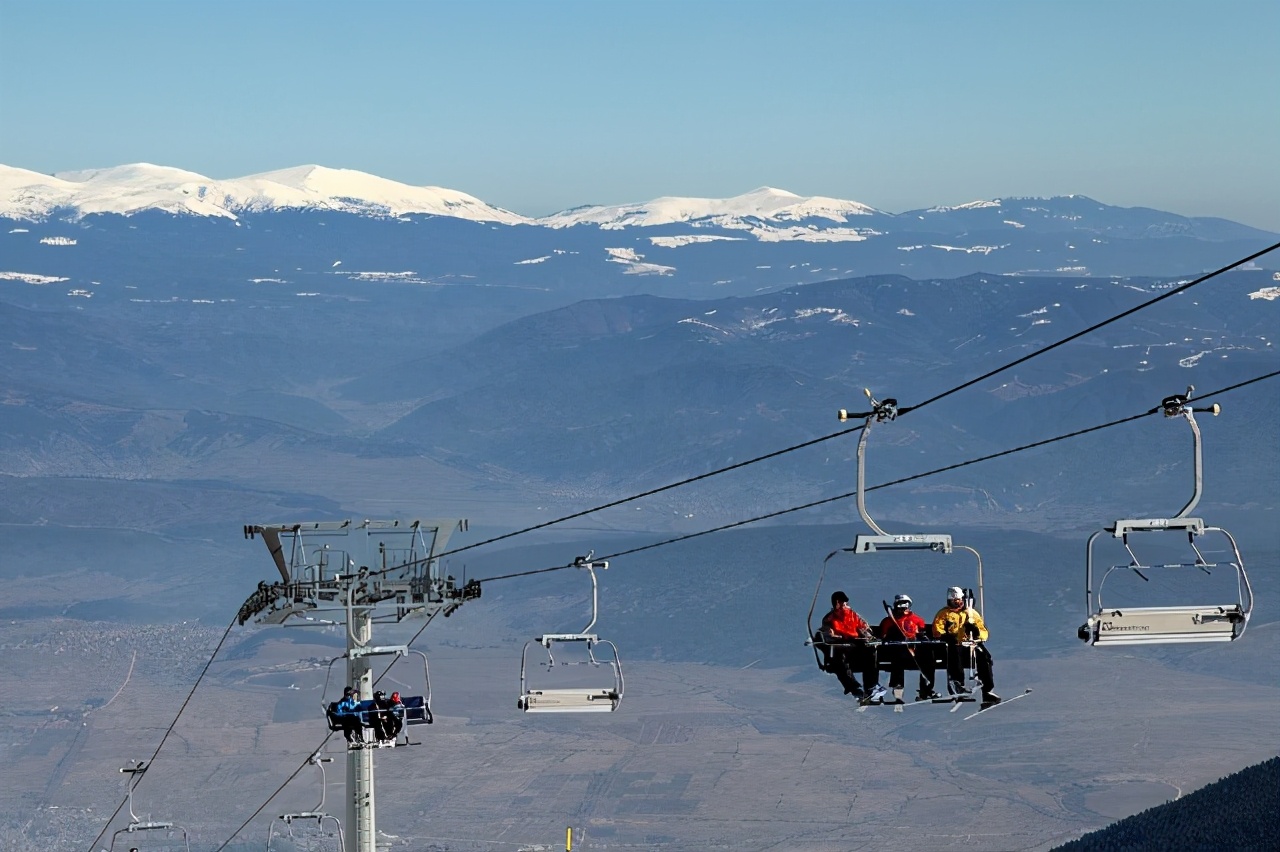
{"x": 961, "y": 627}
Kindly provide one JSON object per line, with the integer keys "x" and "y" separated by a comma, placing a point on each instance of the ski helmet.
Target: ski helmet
{"x": 955, "y": 593}
{"x": 902, "y": 601}
{"x": 839, "y": 597}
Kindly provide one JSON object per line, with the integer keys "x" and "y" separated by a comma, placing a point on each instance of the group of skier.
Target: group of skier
{"x": 382, "y": 714}
{"x": 907, "y": 641}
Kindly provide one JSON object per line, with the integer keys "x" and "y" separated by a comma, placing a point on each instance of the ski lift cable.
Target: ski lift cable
{"x": 169, "y": 730}
{"x": 1175, "y": 291}
{"x": 1180, "y": 289}
{"x": 263, "y": 806}
{"x": 648, "y": 493}
{"x": 900, "y": 481}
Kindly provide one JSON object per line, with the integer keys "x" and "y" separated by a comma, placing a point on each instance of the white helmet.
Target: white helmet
{"x": 902, "y": 601}
{"x": 955, "y": 593}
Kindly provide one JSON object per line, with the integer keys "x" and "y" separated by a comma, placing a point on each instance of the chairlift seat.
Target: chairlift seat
{"x": 416, "y": 711}
{"x": 569, "y": 701}
{"x": 924, "y": 649}
{"x": 1161, "y": 625}
{"x": 572, "y": 699}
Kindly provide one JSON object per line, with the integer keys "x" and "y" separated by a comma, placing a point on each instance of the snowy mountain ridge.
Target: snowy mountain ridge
{"x": 763, "y": 203}
{"x": 133, "y": 188}
{"x": 136, "y": 187}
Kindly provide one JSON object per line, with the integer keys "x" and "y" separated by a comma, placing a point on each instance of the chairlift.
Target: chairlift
{"x": 413, "y": 709}
{"x": 596, "y": 698}
{"x": 1160, "y": 625}
{"x": 312, "y": 833}
{"x": 147, "y": 835}
{"x": 879, "y": 541}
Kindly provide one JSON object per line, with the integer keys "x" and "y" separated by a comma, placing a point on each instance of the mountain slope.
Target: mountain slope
{"x": 1239, "y": 812}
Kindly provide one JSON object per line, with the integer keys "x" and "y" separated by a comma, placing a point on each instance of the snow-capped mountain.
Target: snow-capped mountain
{"x": 131, "y": 189}
{"x": 765, "y": 203}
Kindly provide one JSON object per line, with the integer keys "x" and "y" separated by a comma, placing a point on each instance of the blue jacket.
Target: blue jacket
{"x": 347, "y": 707}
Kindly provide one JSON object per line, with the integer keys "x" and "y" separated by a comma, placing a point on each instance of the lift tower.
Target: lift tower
{"x": 356, "y": 574}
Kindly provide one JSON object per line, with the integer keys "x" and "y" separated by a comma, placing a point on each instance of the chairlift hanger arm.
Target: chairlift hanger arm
{"x": 881, "y": 412}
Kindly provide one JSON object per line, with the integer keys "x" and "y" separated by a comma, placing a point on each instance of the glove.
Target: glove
{"x": 971, "y": 630}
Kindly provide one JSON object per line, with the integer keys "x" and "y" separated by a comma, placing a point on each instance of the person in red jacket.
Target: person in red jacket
{"x": 903, "y": 625}
{"x": 846, "y": 633}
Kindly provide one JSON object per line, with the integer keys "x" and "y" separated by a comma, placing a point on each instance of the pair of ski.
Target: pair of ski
{"x": 353, "y": 746}
{"x": 954, "y": 700}
{"x": 897, "y": 702}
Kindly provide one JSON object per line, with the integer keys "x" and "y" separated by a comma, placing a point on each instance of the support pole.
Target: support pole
{"x": 361, "y": 807}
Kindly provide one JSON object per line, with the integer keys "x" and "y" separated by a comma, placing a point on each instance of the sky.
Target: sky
{"x": 541, "y": 106}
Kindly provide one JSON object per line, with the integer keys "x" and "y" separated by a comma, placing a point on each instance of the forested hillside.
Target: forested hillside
{"x": 1240, "y": 812}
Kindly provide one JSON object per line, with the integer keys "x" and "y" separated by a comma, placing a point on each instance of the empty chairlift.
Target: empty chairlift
{"x": 1218, "y": 621}
{"x": 312, "y": 830}
{"x": 553, "y": 690}
{"x": 147, "y": 835}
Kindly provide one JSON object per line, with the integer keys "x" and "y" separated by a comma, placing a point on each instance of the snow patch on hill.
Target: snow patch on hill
{"x": 765, "y": 203}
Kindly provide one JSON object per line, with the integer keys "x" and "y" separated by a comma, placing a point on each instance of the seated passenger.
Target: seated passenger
{"x": 348, "y": 713}
{"x": 847, "y": 633}
{"x": 393, "y": 719}
{"x": 380, "y": 716}
{"x": 961, "y": 627}
{"x": 903, "y": 625}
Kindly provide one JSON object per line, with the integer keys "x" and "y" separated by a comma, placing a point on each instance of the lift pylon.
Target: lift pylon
{"x": 356, "y": 574}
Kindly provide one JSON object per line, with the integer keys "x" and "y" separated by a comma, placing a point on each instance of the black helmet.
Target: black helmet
{"x": 379, "y": 695}
{"x": 839, "y": 597}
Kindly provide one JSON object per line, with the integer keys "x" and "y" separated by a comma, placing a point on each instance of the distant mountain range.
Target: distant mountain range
{"x": 764, "y": 213}
{"x": 159, "y": 325}
{"x": 350, "y": 223}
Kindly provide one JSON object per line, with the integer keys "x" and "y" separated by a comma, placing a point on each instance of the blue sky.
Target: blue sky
{"x": 539, "y": 106}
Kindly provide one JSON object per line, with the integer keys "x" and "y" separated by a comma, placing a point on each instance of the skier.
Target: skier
{"x": 846, "y": 633}
{"x": 348, "y": 713}
{"x": 903, "y": 625}
{"x": 960, "y": 627}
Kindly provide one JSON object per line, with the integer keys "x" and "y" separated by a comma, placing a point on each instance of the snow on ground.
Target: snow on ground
{"x": 689, "y": 239}
{"x": 31, "y": 278}
{"x": 635, "y": 263}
